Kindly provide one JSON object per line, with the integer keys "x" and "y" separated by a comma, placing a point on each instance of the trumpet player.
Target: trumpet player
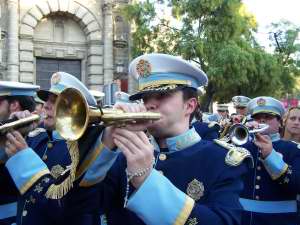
{"x": 176, "y": 178}
{"x": 272, "y": 185}
{"x": 14, "y": 97}
{"x": 42, "y": 168}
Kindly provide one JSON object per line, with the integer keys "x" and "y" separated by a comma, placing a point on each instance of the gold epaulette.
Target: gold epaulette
{"x": 236, "y": 155}
{"x": 36, "y": 132}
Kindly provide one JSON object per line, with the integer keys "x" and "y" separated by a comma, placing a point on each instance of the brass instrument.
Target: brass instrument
{"x": 73, "y": 115}
{"x": 18, "y": 123}
{"x": 239, "y": 133}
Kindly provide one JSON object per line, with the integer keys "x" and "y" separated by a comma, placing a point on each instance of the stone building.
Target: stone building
{"x": 87, "y": 38}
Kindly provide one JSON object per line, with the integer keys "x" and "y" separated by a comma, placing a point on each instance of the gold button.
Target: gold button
{"x": 258, "y": 177}
{"x": 161, "y": 172}
{"x": 257, "y": 186}
{"x": 162, "y": 157}
{"x": 24, "y": 213}
{"x": 259, "y": 167}
{"x": 45, "y": 157}
{"x": 49, "y": 145}
{"x": 257, "y": 197}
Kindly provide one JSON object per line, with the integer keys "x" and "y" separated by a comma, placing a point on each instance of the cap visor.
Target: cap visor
{"x": 43, "y": 94}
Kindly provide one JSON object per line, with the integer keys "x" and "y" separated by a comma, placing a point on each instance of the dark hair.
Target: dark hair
{"x": 189, "y": 93}
{"x": 26, "y": 102}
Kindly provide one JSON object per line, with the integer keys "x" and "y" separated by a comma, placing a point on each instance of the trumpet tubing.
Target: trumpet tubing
{"x": 18, "y": 123}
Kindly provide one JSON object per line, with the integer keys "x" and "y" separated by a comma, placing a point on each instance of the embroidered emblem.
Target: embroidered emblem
{"x": 143, "y": 68}
{"x": 46, "y": 180}
{"x": 56, "y": 78}
{"x": 38, "y": 188}
{"x": 36, "y": 132}
{"x": 56, "y": 171}
{"x": 261, "y": 102}
{"x": 195, "y": 189}
{"x": 192, "y": 221}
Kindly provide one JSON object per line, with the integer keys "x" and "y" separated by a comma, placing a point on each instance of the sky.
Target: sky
{"x": 268, "y": 11}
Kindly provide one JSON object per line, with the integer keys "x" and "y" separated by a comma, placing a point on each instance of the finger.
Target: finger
{"x": 143, "y": 137}
{"x": 123, "y": 148}
{"x": 132, "y": 136}
{"x": 126, "y": 143}
{"x": 10, "y": 137}
{"x": 19, "y": 138}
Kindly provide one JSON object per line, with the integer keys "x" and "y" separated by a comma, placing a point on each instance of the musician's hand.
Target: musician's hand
{"x": 139, "y": 152}
{"x": 126, "y": 107}
{"x": 264, "y": 143}
{"x": 134, "y": 108}
{"x": 21, "y": 115}
{"x": 14, "y": 143}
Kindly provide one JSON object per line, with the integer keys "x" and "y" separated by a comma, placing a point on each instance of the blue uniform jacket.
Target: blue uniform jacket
{"x": 207, "y": 131}
{"x": 33, "y": 174}
{"x": 277, "y": 178}
{"x": 193, "y": 185}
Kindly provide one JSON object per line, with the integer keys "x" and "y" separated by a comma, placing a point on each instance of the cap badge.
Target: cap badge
{"x": 261, "y": 102}
{"x": 55, "y": 78}
{"x": 195, "y": 189}
{"x": 143, "y": 68}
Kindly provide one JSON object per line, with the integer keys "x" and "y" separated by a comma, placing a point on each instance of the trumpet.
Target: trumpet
{"x": 15, "y": 123}
{"x": 73, "y": 115}
{"x": 239, "y": 133}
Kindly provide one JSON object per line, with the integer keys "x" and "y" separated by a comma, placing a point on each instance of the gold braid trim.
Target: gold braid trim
{"x": 57, "y": 191}
{"x": 185, "y": 212}
{"x": 158, "y": 83}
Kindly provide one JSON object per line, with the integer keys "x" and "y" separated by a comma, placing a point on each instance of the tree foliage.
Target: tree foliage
{"x": 218, "y": 35}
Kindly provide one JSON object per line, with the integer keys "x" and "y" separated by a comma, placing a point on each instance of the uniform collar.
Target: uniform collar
{"x": 274, "y": 137}
{"x": 182, "y": 141}
{"x": 56, "y": 136}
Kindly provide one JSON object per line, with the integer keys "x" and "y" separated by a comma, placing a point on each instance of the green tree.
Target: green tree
{"x": 285, "y": 38}
{"x": 216, "y": 34}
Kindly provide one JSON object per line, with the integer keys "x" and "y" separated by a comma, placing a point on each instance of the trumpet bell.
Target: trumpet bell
{"x": 238, "y": 134}
{"x": 72, "y": 115}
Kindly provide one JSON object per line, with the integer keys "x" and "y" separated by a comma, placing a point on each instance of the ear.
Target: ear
{"x": 14, "y": 106}
{"x": 191, "y": 104}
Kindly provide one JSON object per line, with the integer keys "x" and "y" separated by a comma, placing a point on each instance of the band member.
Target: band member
{"x": 272, "y": 186}
{"x": 45, "y": 168}
{"x": 14, "y": 96}
{"x": 166, "y": 180}
{"x": 240, "y": 104}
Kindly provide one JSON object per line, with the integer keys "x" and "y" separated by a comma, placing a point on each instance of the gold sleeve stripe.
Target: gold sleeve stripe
{"x": 185, "y": 212}
{"x": 275, "y": 177}
{"x": 33, "y": 179}
{"x": 89, "y": 160}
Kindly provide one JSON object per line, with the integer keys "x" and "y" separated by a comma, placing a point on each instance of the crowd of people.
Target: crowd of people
{"x": 178, "y": 169}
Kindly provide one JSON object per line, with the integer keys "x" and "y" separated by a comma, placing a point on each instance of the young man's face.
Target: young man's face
{"x": 4, "y": 109}
{"x": 269, "y": 119}
{"x": 223, "y": 113}
{"x": 49, "y": 109}
{"x": 241, "y": 110}
{"x": 175, "y": 113}
{"x": 292, "y": 124}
